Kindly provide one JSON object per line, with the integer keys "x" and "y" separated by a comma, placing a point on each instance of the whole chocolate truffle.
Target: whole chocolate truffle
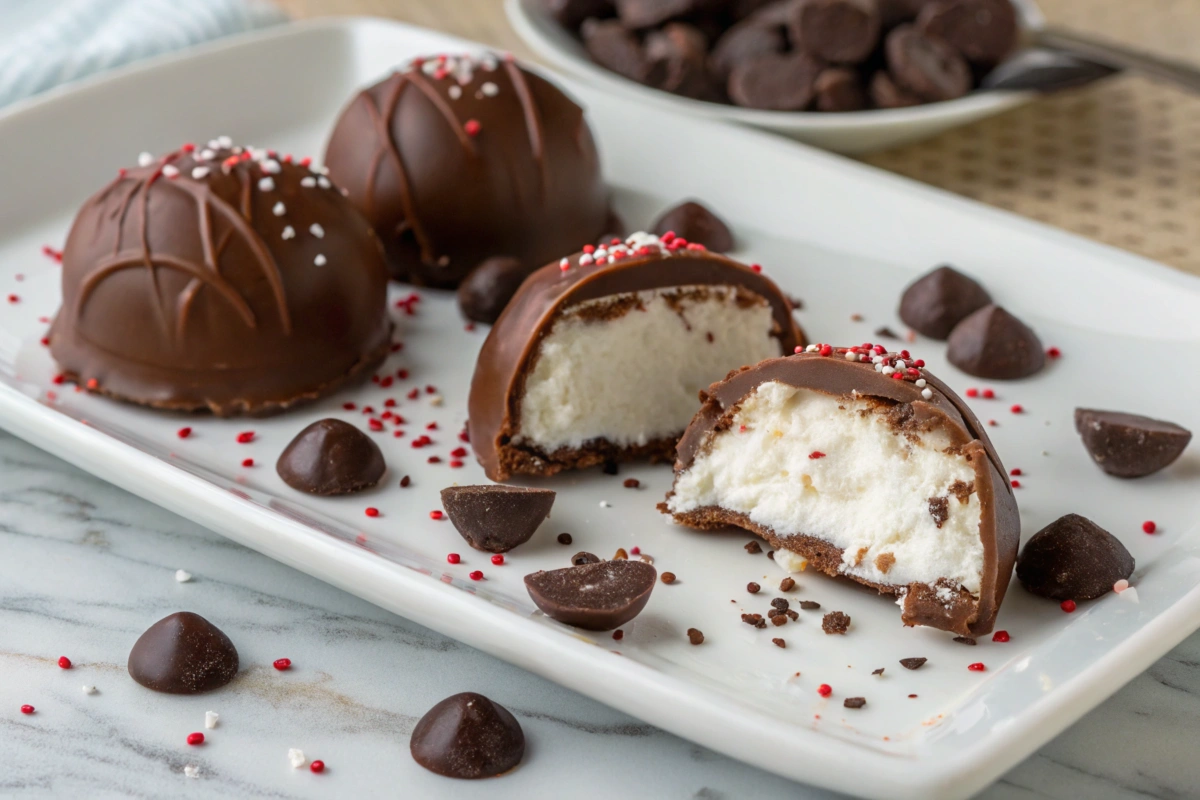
{"x": 992, "y": 343}
{"x": 455, "y": 159}
{"x": 220, "y": 278}
{"x": 1130, "y": 445}
{"x": 331, "y": 457}
{"x": 937, "y": 301}
{"x": 488, "y": 288}
{"x": 183, "y": 654}
{"x": 696, "y": 223}
{"x": 468, "y": 736}
{"x": 1073, "y": 558}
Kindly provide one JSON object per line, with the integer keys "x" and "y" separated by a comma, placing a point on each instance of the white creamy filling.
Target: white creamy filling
{"x": 868, "y": 495}
{"x": 635, "y": 378}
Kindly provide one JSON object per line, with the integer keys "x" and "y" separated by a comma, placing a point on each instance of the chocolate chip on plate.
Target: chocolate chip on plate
{"x": 694, "y": 222}
{"x": 183, "y": 654}
{"x": 992, "y": 343}
{"x": 571, "y": 13}
{"x": 839, "y": 31}
{"x": 496, "y": 518}
{"x": 695, "y": 636}
{"x": 809, "y": 605}
{"x": 776, "y": 82}
{"x": 595, "y": 597}
{"x": 331, "y": 457}
{"x": 839, "y": 89}
{"x": 965, "y": 640}
{"x": 1073, "y": 558}
{"x": 584, "y": 557}
{"x": 926, "y": 66}
{"x": 1130, "y": 445}
{"x": 486, "y": 290}
{"x": 938, "y": 300}
{"x": 468, "y": 736}
{"x": 984, "y": 31}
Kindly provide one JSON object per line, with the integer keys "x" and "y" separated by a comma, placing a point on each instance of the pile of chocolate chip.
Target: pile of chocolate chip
{"x": 796, "y": 55}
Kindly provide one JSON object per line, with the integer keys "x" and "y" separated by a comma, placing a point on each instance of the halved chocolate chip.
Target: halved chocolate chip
{"x": 937, "y": 301}
{"x": 183, "y": 654}
{"x": 468, "y": 736}
{"x": 696, "y": 223}
{"x": 331, "y": 457}
{"x": 1073, "y": 558}
{"x": 571, "y": 13}
{"x": 992, "y": 343}
{"x": 1130, "y": 445}
{"x": 648, "y": 13}
{"x": 925, "y": 65}
{"x": 683, "y": 52}
{"x": 913, "y": 663}
{"x": 779, "y": 642}
{"x": 877, "y": 671}
{"x": 984, "y": 31}
{"x": 486, "y": 290}
{"x": 965, "y": 640}
{"x": 775, "y": 82}
{"x": 595, "y": 597}
{"x": 748, "y": 39}
{"x": 496, "y": 518}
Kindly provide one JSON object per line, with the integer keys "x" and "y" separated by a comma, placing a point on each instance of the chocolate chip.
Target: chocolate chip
{"x": 571, "y": 13}
{"x": 775, "y": 82}
{"x": 747, "y": 39}
{"x": 854, "y": 702}
{"x": 835, "y": 622}
{"x": 584, "y": 557}
{"x": 937, "y": 301}
{"x": 773, "y": 613}
{"x": 779, "y": 642}
{"x": 696, "y": 223}
{"x": 596, "y": 597}
{"x": 780, "y": 603}
{"x": 992, "y": 343}
{"x": 840, "y": 31}
{"x": 885, "y": 333}
{"x": 496, "y": 518}
{"x": 925, "y": 65}
{"x": 809, "y": 605}
{"x": 331, "y": 457}
{"x": 913, "y": 663}
{"x": 771, "y": 554}
{"x": 564, "y": 538}
{"x": 984, "y": 31}
{"x": 752, "y": 587}
{"x": 612, "y": 46}
{"x": 753, "y": 548}
{"x": 467, "y": 736}
{"x": 682, "y": 51}
{"x": 885, "y": 93}
{"x": 1129, "y": 445}
{"x": 939, "y": 509}
{"x": 840, "y": 89}
{"x": 965, "y": 640}
{"x": 668, "y": 577}
{"x": 648, "y": 13}
{"x": 183, "y": 654}
{"x": 1073, "y": 558}
{"x": 695, "y": 636}
{"x": 787, "y": 584}
{"x": 486, "y": 290}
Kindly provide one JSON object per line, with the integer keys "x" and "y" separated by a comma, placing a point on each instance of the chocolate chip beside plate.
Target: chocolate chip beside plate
{"x": 468, "y": 736}
{"x": 694, "y": 222}
{"x": 183, "y": 654}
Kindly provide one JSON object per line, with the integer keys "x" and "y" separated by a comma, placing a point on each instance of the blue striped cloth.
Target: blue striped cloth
{"x": 44, "y": 43}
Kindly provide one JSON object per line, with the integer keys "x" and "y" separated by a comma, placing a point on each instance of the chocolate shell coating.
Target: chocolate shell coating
{"x": 496, "y": 518}
{"x": 992, "y": 343}
{"x": 331, "y": 457}
{"x": 1073, "y": 558}
{"x": 937, "y": 301}
{"x": 1130, "y": 445}
{"x": 594, "y": 596}
{"x": 455, "y": 161}
{"x": 183, "y": 654}
{"x": 694, "y": 222}
{"x": 468, "y": 736}
{"x": 220, "y": 279}
{"x": 1000, "y": 524}
{"x": 506, "y": 355}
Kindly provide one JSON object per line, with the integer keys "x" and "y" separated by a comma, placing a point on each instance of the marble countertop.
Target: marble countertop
{"x": 86, "y": 567}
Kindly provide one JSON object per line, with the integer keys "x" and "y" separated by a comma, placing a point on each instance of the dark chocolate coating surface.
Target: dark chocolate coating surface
{"x": 1073, "y": 558}
{"x": 594, "y": 596}
{"x": 331, "y": 457}
{"x": 1130, "y": 445}
{"x": 937, "y": 301}
{"x": 496, "y": 518}
{"x": 505, "y": 358}
{"x": 206, "y": 280}
{"x": 696, "y": 223}
{"x": 468, "y": 736}
{"x": 925, "y": 65}
{"x": 1000, "y": 525}
{"x": 840, "y": 31}
{"x": 984, "y": 31}
{"x": 488, "y": 288}
{"x": 183, "y": 654}
{"x": 992, "y": 343}
{"x": 456, "y": 161}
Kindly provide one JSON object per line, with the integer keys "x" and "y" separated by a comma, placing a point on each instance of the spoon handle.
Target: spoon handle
{"x": 1120, "y": 57}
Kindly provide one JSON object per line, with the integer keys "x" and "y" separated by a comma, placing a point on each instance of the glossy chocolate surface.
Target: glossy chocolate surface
{"x": 183, "y": 654}
{"x": 331, "y": 457}
{"x": 468, "y": 736}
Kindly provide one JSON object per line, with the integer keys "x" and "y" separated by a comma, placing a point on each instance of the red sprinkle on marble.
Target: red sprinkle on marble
{"x": 389, "y": 403}
{"x": 824, "y": 690}
{"x": 64, "y": 662}
{"x": 413, "y": 394}
{"x": 184, "y": 432}
{"x": 471, "y": 127}
{"x": 433, "y": 426}
{"x": 372, "y": 511}
{"x": 498, "y": 559}
{"x": 247, "y": 462}
{"x": 317, "y": 766}
{"x": 475, "y": 576}
{"x": 1053, "y": 352}
{"x": 1000, "y": 636}
{"x": 386, "y": 382}
{"x": 195, "y": 738}
{"x": 368, "y": 410}
{"x": 27, "y": 709}
{"x": 245, "y": 437}
{"x": 1149, "y": 527}
{"x": 976, "y": 667}
{"x": 1017, "y": 408}
{"x": 1067, "y": 606}
{"x": 815, "y": 454}
{"x": 436, "y": 514}
{"x": 375, "y": 424}
{"x": 282, "y": 663}
{"x": 431, "y": 389}
{"x": 12, "y": 298}
{"x": 988, "y": 394}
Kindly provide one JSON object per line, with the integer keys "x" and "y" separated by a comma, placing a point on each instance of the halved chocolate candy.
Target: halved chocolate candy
{"x": 594, "y": 596}
{"x": 937, "y": 301}
{"x": 331, "y": 457}
{"x": 885, "y": 93}
{"x": 183, "y": 654}
{"x": 496, "y": 518}
{"x": 468, "y": 736}
{"x": 925, "y": 65}
{"x": 750, "y": 38}
{"x": 1073, "y": 558}
{"x": 694, "y": 222}
{"x": 992, "y": 343}
{"x": 1130, "y": 445}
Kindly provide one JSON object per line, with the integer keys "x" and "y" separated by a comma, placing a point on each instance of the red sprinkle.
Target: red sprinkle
{"x": 826, "y": 350}
{"x": 282, "y": 663}
{"x": 430, "y": 389}
{"x": 374, "y": 424}
{"x": 436, "y": 514}
{"x": 972, "y": 392}
{"x": 471, "y": 127}
{"x": 372, "y": 511}
{"x": 389, "y": 403}
{"x": 431, "y": 426}
{"x": 1015, "y": 484}
{"x": 402, "y": 374}
{"x": 633, "y": 551}
{"x": 245, "y": 437}
{"x": 455, "y": 464}
{"x": 317, "y": 766}
{"x": 824, "y": 690}
{"x": 1017, "y": 408}
{"x": 349, "y": 406}
{"x": 453, "y": 558}
{"x": 756, "y": 267}
{"x": 195, "y": 738}
{"x": 12, "y": 298}
{"x": 26, "y": 709}
{"x": 1015, "y": 471}
{"x": 464, "y": 435}
{"x": 1067, "y": 606}
{"x": 184, "y": 432}
{"x": 1149, "y": 527}
{"x": 405, "y": 481}
{"x": 989, "y": 394}
{"x": 816, "y": 454}
{"x": 1053, "y": 352}
{"x": 58, "y": 380}
{"x": 434, "y": 459}
{"x": 247, "y": 462}
{"x": 413, "y": 394}
{"x": 459, "y": 452}
{"x": 1000, "y": 636}
{"x": 976, "y": 667}
{"x": 476, "y": 575}
{"x": 64, "y": 662}
{"x": 498, "y": 559}
{"x": 618, "y": 635}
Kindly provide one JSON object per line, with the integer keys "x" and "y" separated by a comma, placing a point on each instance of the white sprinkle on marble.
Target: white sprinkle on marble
{"x": 182, "y": 575}
{"x": 89, "y": 689}
{"x": 192, "y": 771}
{"x": 605, "y": 504}
{"x": 296, "y": 758}
{"x": 210, "y": 719}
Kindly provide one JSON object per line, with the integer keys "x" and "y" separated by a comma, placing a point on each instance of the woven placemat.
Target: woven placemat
{"x": 1118, "y": 162}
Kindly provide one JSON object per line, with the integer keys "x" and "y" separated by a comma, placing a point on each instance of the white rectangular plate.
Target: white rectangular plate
{"x": 844, "y": 238}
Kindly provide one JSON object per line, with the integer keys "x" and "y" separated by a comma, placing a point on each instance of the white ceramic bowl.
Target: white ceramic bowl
{"x": 851, "y": 133}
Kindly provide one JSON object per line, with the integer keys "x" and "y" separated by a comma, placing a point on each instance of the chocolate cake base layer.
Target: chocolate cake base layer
{"x": 522, "y": 460}
{"x": 922, "y": 605}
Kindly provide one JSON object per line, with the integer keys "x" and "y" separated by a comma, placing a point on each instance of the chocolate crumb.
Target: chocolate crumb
{"x": 796, "y": 302}
{"x": 939, "y": 509}
{"x": 773, "y": 613}
{"x": 668, "y": 577}
{"x": 780, "y": 603}
{"x": 913, "y": 663}
{"x": 771, "y": 554}
{"x": 620, "y": 555}
{"x": 809, "y": 605}
{"x": 856, "y": 317}
{"x": 631, "y": 483}
{"x": 787, "y": 584}
{"x": 618, "y": 634}
{"x": 779, "y": 642}
{"x": 886, "y": 333}
{"x": 753, "y": 548}
{"x": 611, "y": 468}
{"x": 878, "y": 671}
{"x": 752, "y": 587}
{"x": 965, "y": 640}
{"x": 405, "y": 482}
{"x": 695, "y": 636}
{"x": 912, "y": 696}
{"x": 793, "y": 615}
{"x": 854, "y": 702}
{"x": 779, "y": 619}
{"x": 835, "y": 622}
{"x": 564, "y": 538}
{"x": 583, "y": 557}
{"x": 709, "y": 337}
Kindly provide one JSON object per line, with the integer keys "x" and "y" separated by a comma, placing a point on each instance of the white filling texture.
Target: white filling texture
{"x": 871, "y": 489}
{"x": 635, "y": 378}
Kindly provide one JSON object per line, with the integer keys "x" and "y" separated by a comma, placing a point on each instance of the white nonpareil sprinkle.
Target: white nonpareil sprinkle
{"x": 296, "y": 758}
{"x": 279, "y": 209}
{"x": 605, "y": 504}
{"x": 89, "y": 689}
{"x": 182, "y": 575}
{"x": 812, "y": 348}
{"x": 316, "y": 230}
{"x": 145, "y": 160}
{"x": 289, "y": 232}
{"x": 927, "y": 394}
{"x": 888, "y": 370}
{"x": 900, "y": 364}
{"x": 323, "y": 182}
{"x": 852, "y": 356}
{"x": 566, "y": 262}
{"x": 437, "y": 400}
{"x": 224, "y": 141}
{"x": 207, "y": 154}
{"x": 199, "y": 172}
{"x": 170, "y": 170}
{"x": 320, "y": 260}
{"x": 308, "y": 182}
{"x": 455, "y": 92}
{"x": 210, "y": 719}
{"x": 921, "y": 383}
{"x": 271, "y": 166}
{"x": 192, "y": 771}
{"x": 585, "y": 259}
{"x": 266, "y": 184}
{"x": 489, "y": 89}
{"x": 1129, "y": 594}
